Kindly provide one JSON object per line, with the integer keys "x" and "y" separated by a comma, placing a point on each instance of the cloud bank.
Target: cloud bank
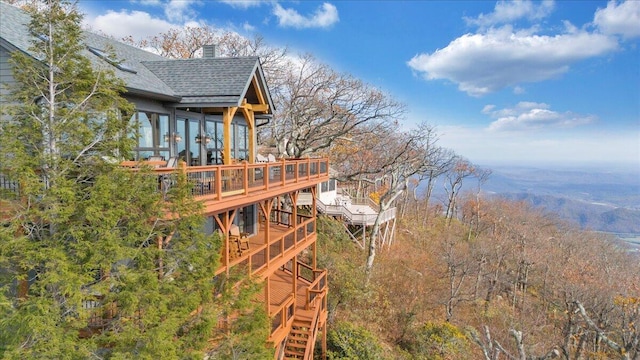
{"x": 120, "y": 24}
{"x": 499, "y": 56}
{"x": 509, "y": 11}
{"x": 324, "y": 16}
{"x": 622, "y": 19}
{"x": 527, "y": 116}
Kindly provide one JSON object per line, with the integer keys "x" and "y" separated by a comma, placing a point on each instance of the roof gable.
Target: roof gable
{"x": 216, "y": 81}
{"x": 14, "y": 30}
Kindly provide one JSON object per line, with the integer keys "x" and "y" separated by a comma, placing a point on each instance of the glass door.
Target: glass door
{"x": 189, "y": 150}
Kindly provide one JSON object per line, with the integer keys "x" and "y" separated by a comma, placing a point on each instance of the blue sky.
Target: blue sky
{"x": 534, "y": 83}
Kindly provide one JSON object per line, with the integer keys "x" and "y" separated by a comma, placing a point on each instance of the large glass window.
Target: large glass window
{"x": 242, "y": 144}
{"x": 150, "y": 130}
{"x": 214, "y": 130}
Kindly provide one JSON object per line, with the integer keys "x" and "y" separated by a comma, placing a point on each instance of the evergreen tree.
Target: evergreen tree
{"x": 91, "y": 265}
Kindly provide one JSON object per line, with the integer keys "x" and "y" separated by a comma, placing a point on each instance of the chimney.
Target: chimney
{"x": 209, "y": 51}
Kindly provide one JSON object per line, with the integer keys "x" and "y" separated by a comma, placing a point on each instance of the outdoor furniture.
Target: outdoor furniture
{"x": 172, "y": 162}
{"x": 240, "y": 239}
{"x": 261, "y": 159}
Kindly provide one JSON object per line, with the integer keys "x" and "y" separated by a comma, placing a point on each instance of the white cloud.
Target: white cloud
{"x": 180, "y": 10}
{"x": 325, "y": 16}
{"x": 486, "y": 62}
{"x": 244, "y": 4}
{"x": 620, "y": 19}
{"x": 527, "y": 116}
{"x": 508, "y": 11}
{"x": 494, "y": 148}
{"x": 149, "y": 2}
{"x": 120, "y": 24}
{"x": 248, "y": 27}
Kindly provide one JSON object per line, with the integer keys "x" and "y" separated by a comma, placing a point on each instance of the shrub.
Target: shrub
{"x": 348, "y": 341}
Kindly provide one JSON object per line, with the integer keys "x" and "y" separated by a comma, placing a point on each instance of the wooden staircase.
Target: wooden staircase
{"x": 298, "y": 339}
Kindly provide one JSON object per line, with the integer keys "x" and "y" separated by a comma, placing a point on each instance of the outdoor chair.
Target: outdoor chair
{"x": 239, "y": 238}
{"x": 261, "y": 159}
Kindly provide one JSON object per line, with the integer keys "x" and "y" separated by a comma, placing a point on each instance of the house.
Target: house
{"x": 357, "y": 213}
{"x": 205, "y": 112}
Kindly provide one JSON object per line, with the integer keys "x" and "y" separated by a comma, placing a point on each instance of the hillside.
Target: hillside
{"x": 513, "y": 279}
{"x": 589, "y": 216}
{"x": 595, "y": 199}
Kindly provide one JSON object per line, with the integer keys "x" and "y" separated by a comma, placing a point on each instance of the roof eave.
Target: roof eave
{"x": 153, "y": 95}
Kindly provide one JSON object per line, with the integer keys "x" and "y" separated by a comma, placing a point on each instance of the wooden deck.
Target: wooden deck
{"x": 281, "y": 283}
{"x": 226, "y": 187}
{"x": 267, "y": 253}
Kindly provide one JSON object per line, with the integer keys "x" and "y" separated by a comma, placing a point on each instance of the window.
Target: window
{"x": 328, "y": 186}
{"x": 215, "y": 131}
{"x": 150, "y": 129}
{"x": 241, "y": 145}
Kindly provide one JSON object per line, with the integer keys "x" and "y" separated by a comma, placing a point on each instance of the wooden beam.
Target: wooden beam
{"x": 257, "y": 107}
{"x": 259, "y": 94}
{"x": 227, "y": 117}
{"x": 250, "y": 118}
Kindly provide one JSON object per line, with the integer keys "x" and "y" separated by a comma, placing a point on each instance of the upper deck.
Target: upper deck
{"x": 225, "y": 187}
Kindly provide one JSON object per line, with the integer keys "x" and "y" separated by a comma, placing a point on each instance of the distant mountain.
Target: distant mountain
{"x": 595, "y": 199}
{"x": 588, "y": 216}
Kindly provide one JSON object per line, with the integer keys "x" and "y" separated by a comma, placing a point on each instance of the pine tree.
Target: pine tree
{"x": 91, "y": 265}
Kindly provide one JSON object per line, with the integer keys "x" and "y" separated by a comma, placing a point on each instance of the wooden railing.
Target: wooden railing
{"x": 282, "y": 317}
{"x": 269, "y": 254}
{"x": 316, "y": 299}
{"x": 215, "y": 182}
{"x": 318, "y": 283}
{"x": 9, "y": 186}
{"x": 355, "y": 217}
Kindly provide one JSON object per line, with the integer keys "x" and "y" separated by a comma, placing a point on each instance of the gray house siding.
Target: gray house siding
{"x": 147, "y": 104}
{"x": 6, "y": 77}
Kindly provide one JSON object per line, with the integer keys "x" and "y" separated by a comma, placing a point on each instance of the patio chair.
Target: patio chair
{"x": 261, "y": 159}
{"x": 172, "y": 162}
{"x": 239, "y": 238}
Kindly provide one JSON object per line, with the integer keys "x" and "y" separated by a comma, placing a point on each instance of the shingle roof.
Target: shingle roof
{"x": 210, "y": 81}
{"x": 14, "y": 29}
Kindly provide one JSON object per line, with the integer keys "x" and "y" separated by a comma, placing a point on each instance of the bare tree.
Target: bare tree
{"x": 442, "y": 160}
{"x": 461, "y": 169}
{"x": 319, "y": 106}
{"x": 391, "y": 160}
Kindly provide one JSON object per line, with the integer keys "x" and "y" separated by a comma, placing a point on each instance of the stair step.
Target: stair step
{"x": 297, "y": 346}
{"x": 300, "y": 325}
{"x": 298, "y": 339}
{"x": 299, "y": 332}
{"x": 293, "y": 353}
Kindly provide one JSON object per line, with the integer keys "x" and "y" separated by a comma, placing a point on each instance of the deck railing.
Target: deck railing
{"x": 282, "y": 317}
{"x": 317, "y": 280}
{"x": 268, "y": 255}
{"x": 9, "y": 186}
{"x": 355, "y": 217}
{"x": 217, "y": 182}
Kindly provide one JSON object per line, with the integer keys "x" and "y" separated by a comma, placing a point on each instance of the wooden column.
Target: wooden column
{"x": 294, "y": 271}
{"x": 227, "y": 117}
{"x": 224, "y": 221}
{"x": 267, "y": 296}
{"x": 266, "y": 207}
{"x": 249, "y": 116}
{"x": 294, "y": 208}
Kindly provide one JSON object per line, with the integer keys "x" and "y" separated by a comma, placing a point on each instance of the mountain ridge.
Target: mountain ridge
{"x": 594, "y": 199}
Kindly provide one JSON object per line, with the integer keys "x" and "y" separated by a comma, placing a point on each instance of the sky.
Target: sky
{"x": 553, "y": 83}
